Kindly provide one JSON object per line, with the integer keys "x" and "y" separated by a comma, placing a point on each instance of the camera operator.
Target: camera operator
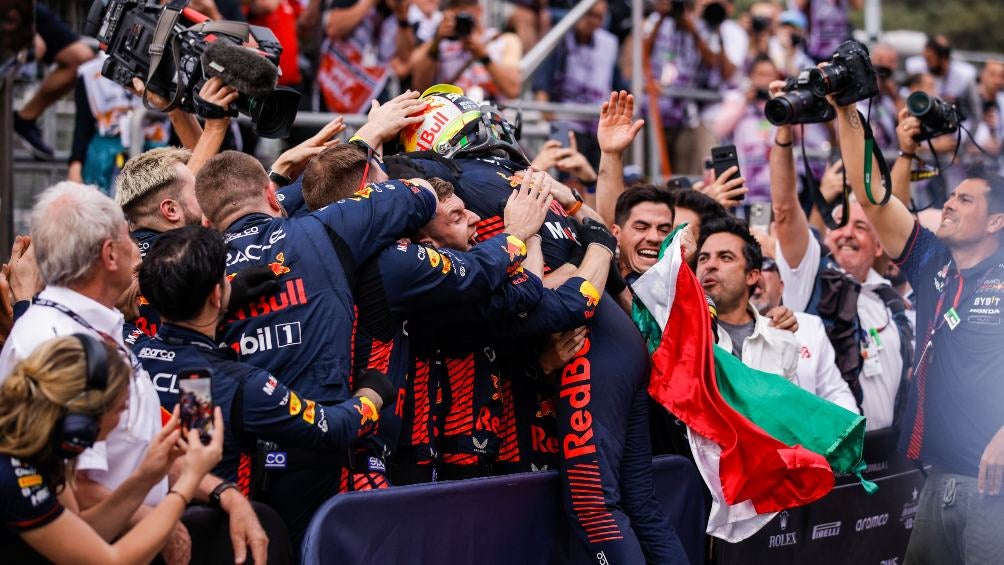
{"x": 726, "y": 39}
{"x": 952, "y": 420}
{"x": 874, "y": 365}
{"x": 787, "y": 46}
{"x": 183, "y": 278}
{"x": 67, "y": 394}
{"x": 484, "y": 62}
{"x": 829, "y": 24}
{"x": 678, "y": 57}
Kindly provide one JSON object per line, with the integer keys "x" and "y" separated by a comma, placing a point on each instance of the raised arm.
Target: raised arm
{"x": 791, "y": 227}
{"x": 893, "y": 222}
{"x": 217, "y": 93}
{"x": 340, "y": 22}
{"x": 616, "y": 130}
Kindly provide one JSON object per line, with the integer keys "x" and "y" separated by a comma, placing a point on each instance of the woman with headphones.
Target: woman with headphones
{"x": 68, "y": 394}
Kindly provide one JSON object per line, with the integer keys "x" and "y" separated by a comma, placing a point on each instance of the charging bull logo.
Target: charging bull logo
{"x": 363, "y": 192}
{"x": 277, "y": 267}
{"x": 592, "y": 296}
{"x": 545, "y": 408}
{"x": 515, "y": 248}
{"x": 514, "y": 179}
{"x": 367, "y": 412}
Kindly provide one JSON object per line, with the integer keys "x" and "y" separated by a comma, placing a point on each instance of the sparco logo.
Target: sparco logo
{"x": 152, "y": 353}
{"x": 784, "y": 538}
{"x": 827, "y": 530}
{"x": 871, "y": 522}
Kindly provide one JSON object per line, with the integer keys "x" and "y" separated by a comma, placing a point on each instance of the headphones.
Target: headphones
{"x": 80, "y": 430}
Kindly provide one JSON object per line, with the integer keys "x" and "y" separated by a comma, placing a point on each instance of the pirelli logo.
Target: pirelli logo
{"x": 827, "y": 530}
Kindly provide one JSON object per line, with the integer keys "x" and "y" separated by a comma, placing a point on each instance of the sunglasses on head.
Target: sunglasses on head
{"x": 371, "y": 156}
{"x": 768, "y": 264}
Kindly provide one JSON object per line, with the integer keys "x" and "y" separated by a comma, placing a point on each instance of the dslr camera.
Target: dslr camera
{"x": 849, "y": 77}
{"x": 799, "y": 104}
{"x": 936, "y": 116}
{"x": 193, "y": 53}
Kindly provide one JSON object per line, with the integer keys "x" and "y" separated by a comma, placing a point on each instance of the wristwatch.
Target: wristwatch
{"x": 214, "y": 497}
{"x": 279, "y": 179}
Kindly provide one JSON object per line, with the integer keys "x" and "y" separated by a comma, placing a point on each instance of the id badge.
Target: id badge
{"x": 871, "y": 366}
{"x": 952, "y": 319}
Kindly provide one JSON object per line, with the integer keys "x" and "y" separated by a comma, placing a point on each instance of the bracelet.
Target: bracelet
{"x": 779, "y": 144}
{"x": 214, "y": 497}
{"x": 183, "y": 497}
{"x": 486, "y": 60}
{"x": 279, "y": 179}
{"x": 908, "y": 155}
{"x": 403, "y": 24}
{"x": 574, "y": 209}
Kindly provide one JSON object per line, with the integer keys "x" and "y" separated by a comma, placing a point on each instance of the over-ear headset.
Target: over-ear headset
{"x": 79, "y": 430}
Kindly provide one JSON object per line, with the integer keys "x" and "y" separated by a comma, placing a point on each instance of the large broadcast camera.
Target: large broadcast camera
{"x": 799, "y": 104}
{"x": 175, "y": 49}
{"x": 849, "y": 77}
{"x": 936, "y": 116}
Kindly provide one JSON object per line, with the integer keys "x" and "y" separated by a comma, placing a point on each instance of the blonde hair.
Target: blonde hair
{"x": 42, "y": 389}
{"x": 147, "y": 174}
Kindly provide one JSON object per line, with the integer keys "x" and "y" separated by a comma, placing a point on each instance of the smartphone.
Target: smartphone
{"x": 680, "y": 182}
{"x": 559, "y": 132}
{"x": 722, "y": 158}
{"x": 464, "y": 26}
{"x": 760, "y": 217}
{"x": 196, "y": 398}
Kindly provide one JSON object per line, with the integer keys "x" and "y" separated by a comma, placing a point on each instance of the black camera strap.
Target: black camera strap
{"x": 818, "y": 200}
{"x": 168, "y": 17}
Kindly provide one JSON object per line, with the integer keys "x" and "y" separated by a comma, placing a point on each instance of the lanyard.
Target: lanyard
{"x": 78, "y": 319}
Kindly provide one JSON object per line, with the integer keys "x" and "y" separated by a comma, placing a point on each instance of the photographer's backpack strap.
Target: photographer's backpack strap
{"x": 835, "y": 301}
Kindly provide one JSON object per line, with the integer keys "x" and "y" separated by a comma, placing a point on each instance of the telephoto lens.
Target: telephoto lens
{"x": 936, "y": 116}
{"x": 798, "y": 107}
{"x": 829, "y": 79}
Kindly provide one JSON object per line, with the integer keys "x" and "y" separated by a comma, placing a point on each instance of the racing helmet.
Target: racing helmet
{"x": 456, "y": 126}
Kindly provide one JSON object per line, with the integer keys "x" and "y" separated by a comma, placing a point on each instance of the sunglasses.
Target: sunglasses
{"x": 769, "y": 265}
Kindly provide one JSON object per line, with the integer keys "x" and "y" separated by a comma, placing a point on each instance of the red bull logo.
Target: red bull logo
{"x": 541, "y": 442}
{"x": 514, "y": 179}
{"x": 294, "y": 404}
{"x": 278, "y": 269}
{"x": 293, "y": 294}
{"x": 428, "y": 135}
{"x": 545, "y": 408}
{"x": 592, "y": 296}
{"x": 515, "y": 248}
{"x": 363, "y": 192}
{"x": 576, "y": 389}
{"x": 367, "y": 411}
{"x": 308, "y": 412}
{"x": 487, "y": 421}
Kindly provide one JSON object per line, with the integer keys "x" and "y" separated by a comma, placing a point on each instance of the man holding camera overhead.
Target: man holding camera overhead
{"x": 954, "y": 421}
{"x": 867, "y": 324}
{"x": 484, "y": 62}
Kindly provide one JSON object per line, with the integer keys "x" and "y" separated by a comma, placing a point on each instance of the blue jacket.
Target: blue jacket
{"x": 267, "y": 409}
{"x": 302, "y": 334}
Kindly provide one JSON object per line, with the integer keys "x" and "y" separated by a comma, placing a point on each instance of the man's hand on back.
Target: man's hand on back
{"x": 527, "y": 206}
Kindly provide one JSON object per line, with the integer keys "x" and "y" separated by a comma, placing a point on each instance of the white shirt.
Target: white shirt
{"x": 878, "y": 391}
{"x": 427, "y": 25}
{"x": 110, "y": 461}
{"x": 768, "y": 349}
{"x": 817, "y": 368}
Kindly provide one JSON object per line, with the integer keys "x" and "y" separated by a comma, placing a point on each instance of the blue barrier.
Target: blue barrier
{"x": 498, "y": 520}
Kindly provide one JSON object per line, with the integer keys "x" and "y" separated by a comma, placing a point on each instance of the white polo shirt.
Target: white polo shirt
{"x": 878, "y": 391}
{"x": 111, "y": 461}
{"x": 817, "y": 368}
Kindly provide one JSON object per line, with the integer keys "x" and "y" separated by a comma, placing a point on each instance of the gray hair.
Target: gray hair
{"x": 69, "y": 225}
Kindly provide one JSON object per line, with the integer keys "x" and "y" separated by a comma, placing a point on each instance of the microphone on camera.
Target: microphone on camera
{"x": 244, "y": 69}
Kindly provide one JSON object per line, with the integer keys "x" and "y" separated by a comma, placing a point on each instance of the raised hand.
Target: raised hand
{"x": 294, "y": 160}
{"x": 527, "y": 206}
{"x": 617, "y": 127}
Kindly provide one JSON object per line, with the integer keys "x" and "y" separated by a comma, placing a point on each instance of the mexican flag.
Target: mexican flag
{"x": 761, "y": 443}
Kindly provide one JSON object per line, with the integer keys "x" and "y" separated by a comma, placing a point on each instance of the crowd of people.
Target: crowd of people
{"x": 424, "y": 302}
